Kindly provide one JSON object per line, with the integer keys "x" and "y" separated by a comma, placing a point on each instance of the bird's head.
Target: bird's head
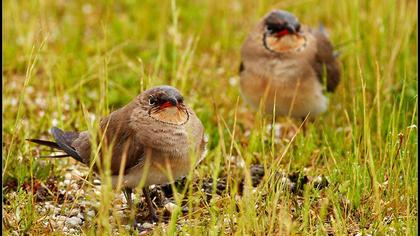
{"x": 165, "y": 104}
{"x": 282, "y": 32}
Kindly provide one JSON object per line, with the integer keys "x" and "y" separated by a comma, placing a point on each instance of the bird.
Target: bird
{"x": 286, "y": 69}
{"x": 156, "y": 135}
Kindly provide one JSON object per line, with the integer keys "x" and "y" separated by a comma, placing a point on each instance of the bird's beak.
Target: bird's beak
{"x": 290, "y": 29}
{"x": 170, "y": 101}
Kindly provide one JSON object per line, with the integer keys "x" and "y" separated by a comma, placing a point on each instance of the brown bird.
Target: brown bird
{"x": 286, "y": 67}
{"x": 155, "y": 135}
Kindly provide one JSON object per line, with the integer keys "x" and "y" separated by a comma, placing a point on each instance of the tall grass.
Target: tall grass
{"x": 69, "y": 63}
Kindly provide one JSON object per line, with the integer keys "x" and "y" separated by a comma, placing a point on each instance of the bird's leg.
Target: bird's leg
{"x": 127, "y": 193}
{"x": 152, "y": 210}
{"x": 304, "y": 125}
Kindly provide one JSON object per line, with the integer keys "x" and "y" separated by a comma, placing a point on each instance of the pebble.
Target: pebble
{"x": 91, "y": 213}
{"x": 74, "y": 212}
{"x": 97, "y": 192}
{"x": 145, "y": 232}
{"x": 67, "y": 176}
{"x": 80, "y": 192}
{"x": 61, "y": 218}
{"x": 74, "y": 221}
{"x": 147, "y": 225}
{"x": 57, "y": 210}
{"x": 76, "y": 173}
{"x": 80, "y": 216}
{"x": 233, "y": 81}
{"x": 170, "y": 207}
{"x": 75, "y": 186}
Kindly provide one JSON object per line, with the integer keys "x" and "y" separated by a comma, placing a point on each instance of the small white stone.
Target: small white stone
{"x": 87, "y": 8}
{"x": 56, "y": 210}
{"x": 13, "y": 101}
{"x": 76, "y": 173}
{"x": 67, "y": 176}
{"x": 147, "y": 225}
{"x": 170, "y": 207}
{"x": 91, "y": 213}
{"x": 54, "y": 122}
{"x": 75, "y": 186}
{"x": 97, "y": 193}
{"x": 61, "y": 218}
{"x": 29, "y": 89}
{"x": 80, "y": 192}
{"x": 74, "y": 211}
{"x": 80, "y": 216}
{"x": 233, "y": 81}
{"x": 318, "y": 179}
{"x": 74, "y": 221}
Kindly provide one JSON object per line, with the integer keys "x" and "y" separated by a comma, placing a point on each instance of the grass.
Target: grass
{"x": 68, "y": 63}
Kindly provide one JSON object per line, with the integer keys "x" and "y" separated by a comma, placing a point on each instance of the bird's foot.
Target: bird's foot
{"x": 153, "y": 217}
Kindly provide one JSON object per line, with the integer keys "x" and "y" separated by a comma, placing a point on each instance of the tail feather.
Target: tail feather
{"x": 55, "y": 156}
{"x": 60, "y": 138}
{"x": 44, "y": 142}
{"x": 63, "y": 143}
{"x": 48, "y": 144}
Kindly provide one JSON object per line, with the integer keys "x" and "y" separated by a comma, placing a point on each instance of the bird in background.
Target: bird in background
{"x": 154, "y": 135}
{"x": 288, "y": 67}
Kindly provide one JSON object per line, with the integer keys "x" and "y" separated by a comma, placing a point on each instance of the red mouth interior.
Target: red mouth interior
{"x": 282, "y": 33}
{"x": 165, "y": 105}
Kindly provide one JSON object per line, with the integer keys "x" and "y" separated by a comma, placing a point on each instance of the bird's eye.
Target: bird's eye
{"x": 152, "y": 101}
{"x": 271, "y": 28}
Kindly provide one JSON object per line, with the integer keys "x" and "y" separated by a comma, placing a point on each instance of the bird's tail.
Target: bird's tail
{"x": 323, "y": 30}
{"x": 62, "y": 142}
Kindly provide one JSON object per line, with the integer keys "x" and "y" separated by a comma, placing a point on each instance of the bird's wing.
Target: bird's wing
{"x": 326, "y": 61}
{"x": 65, "y": 140}
{"x": 123, "y": 140}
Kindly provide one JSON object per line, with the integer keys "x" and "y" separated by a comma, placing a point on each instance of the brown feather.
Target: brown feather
{"x": 326, "y": 61}
{"x": 122, "y": 138}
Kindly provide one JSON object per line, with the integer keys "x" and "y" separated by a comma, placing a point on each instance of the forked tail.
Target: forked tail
{"x": 62, "y": 142}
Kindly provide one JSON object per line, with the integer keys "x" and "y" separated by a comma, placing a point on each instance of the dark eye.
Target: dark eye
{"x": 152, "y": 100}
{"x": 180, "y": 99}
{"x": 271, "y": 28}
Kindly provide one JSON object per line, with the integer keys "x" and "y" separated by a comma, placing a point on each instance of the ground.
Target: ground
{"x": 354, "y": 171}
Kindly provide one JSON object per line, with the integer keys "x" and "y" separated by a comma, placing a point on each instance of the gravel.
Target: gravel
{"x": 71, "y": 221}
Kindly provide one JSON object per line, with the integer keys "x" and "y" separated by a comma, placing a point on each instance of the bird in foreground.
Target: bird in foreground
{"x": 154, "y": 135}
{"x": 287, "y": 67}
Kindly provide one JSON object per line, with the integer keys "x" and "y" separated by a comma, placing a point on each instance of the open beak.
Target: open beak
{"x": 170, "y": 101}
{"x": 290, "y": 29}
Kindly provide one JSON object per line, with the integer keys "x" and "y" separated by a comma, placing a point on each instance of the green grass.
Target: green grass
{"x": 64, "y": 61}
